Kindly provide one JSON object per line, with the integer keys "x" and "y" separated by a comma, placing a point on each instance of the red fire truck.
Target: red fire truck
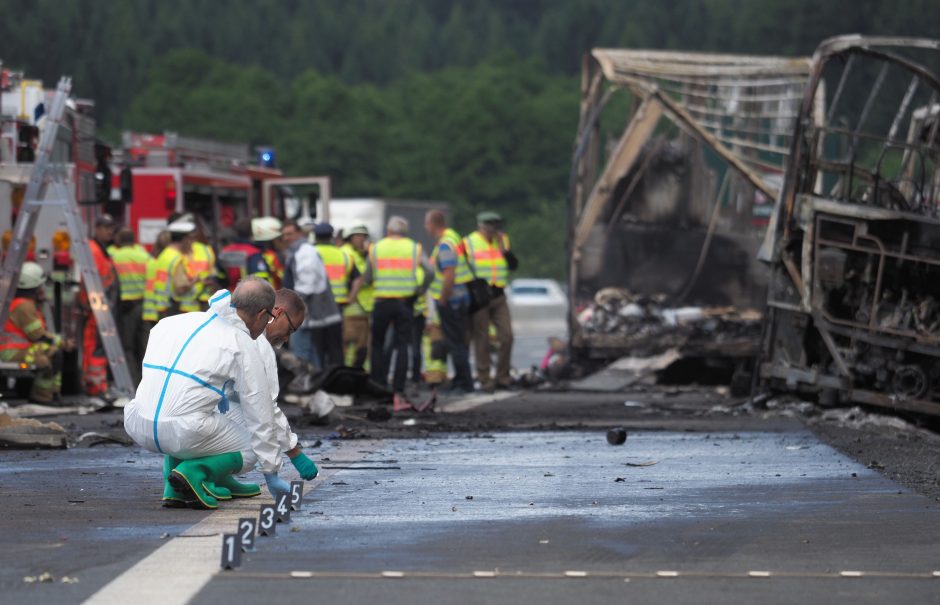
{"x": 219, "y": 183}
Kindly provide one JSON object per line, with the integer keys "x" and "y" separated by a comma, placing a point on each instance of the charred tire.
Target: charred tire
{"x": 910, "y": 381}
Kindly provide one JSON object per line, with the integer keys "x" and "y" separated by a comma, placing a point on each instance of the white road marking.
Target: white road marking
{"x": 472, "y": 401}
{"x": 176, "y": 572}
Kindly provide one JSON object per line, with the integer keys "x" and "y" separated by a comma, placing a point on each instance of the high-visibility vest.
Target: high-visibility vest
{"x": 200, "y": 265}
{"x": 131, "y": 264}
{"x": 15, "y": 338}
{"x": 487, "y": 261}
{"x": 365, "y": 299}
{"x": 149, "y": 308}
{"x": 462, "y": 274}
{"x": 421, "y": 303}
{"x": 162, "y": 293}
{"x": 275, "y": 266}
{"x": 394, "y": 267}
{"x": 338, "y": 267}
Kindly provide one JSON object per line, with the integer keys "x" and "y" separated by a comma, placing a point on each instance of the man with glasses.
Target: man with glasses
{"x": 192, "y": 361}
{"x": 288, "y": 313}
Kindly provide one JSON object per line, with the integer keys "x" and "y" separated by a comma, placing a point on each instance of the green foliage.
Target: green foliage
{"x": 470, "y": 101}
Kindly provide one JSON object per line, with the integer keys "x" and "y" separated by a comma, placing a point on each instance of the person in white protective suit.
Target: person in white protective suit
{"x": 179, "y": 408}
{"x": 289, "y": 313}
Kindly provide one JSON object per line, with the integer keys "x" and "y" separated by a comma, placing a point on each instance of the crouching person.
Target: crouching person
{"x": 25, "y": 338}
{"x": 179, "y": 408}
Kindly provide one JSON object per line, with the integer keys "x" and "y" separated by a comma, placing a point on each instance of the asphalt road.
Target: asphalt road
{"x": 693, "y": 508}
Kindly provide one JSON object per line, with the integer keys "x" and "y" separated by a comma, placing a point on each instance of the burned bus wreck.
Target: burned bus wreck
{"x": 854, "y": 242}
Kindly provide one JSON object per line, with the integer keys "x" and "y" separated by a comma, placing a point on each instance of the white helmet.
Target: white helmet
{"x": 31, "y": 276}
{"x": 265, "y": 229}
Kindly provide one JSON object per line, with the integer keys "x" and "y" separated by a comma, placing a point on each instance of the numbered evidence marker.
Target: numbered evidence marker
{"x": 231, "y": 551}
{"x": 267, "y": 520}
{"x": 282, "y": 506}
{"x": 296, "y": 494}
{"x": 246, "y": 533}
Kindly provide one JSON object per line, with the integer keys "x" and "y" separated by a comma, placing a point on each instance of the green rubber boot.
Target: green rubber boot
{"x": 189, "y": 475}
{"x": 238, "y": 489}
{"x": 172, "y": 498}
{"x": 217, "y": 491}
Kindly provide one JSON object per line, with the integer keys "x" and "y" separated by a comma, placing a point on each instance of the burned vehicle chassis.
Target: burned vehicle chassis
{"x": 854, "y": 245}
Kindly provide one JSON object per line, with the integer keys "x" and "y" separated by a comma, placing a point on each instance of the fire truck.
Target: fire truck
{"x": 219, "y": 183}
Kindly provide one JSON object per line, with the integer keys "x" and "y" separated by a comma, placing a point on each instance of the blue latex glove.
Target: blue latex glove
{"x": 305, "y": 466}
{"x": 223, "y": 404}
{"x": 276, "y": 485}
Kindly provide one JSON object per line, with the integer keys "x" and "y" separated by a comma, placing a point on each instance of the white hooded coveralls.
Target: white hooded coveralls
{"x": 284, "y": 436}
{"x": 191, "y": 361}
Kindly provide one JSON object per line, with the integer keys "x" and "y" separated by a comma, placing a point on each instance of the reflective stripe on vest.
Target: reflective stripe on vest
{"x": 462, "y": 274}
{"x": 338, "y": 267}
{"x": 131, "y": 264}
{"x": 488, "y": 261}
{"x": 394, "y": 264}
{"x": 199, "y": 266}
{"x": 15, "y": 338}
{"x": 276, "y": 269}
{"x": 202, "y": 264}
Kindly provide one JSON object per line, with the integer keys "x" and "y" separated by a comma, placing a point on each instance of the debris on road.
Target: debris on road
{"x": 27, "y": 433}
{"x": 93, "y": 438}
{"x": 616, "y": 436}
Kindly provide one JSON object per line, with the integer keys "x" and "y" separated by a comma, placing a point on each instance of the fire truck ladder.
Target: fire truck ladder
{"x": 48, "y": 188}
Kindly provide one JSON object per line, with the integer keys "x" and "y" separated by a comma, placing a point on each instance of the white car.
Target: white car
{"x": 536, "y": 292}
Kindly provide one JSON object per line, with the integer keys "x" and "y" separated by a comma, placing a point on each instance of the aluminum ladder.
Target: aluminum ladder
{"x": 48, "y": 189}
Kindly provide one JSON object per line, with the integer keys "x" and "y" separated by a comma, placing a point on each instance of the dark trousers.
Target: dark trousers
{"x": 328, "y": 342}
{"x": 133, "y": 336}
{"x": 417, "y": 332}
{"x": 454, "y": 324}
{"x": 395, "y": 314}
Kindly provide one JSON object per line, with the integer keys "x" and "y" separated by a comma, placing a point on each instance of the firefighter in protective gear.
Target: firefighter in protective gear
{"x": 26, "y": 340}
{"x": 242, "y": 258}
{"x": 490, "y": 257}
{"x": 357, "y": 310}
{"x": 94, "y": 359}
{"x": 180, "y": 406}
{"x": 266, "y": 235}
{"x": 130, "y": 260}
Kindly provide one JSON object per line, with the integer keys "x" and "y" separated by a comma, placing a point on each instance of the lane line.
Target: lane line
{"x": 473, "y": 401}
{"x": 176, "y": 572}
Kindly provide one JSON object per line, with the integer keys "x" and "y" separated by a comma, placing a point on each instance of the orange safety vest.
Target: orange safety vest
{"x": 14, "y": 337}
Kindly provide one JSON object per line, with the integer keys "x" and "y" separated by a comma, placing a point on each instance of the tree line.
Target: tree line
{"x": 470, "y": 101}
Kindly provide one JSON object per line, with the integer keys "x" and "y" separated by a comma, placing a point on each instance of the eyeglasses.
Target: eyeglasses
{"x": 289, "y": 323}
{"x": 286, "y": 316}
{"x": 271, "y": 315}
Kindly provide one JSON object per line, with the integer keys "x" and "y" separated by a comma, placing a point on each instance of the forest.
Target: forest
{"x": 474, "y": 102}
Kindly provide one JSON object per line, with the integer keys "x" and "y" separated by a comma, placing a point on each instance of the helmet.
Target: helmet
{"x": 357, "y": 230}
{"x": 31, "y": 276}
{"x": 265, "y": 229}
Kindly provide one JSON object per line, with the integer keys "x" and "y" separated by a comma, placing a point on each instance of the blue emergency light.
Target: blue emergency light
{"x": 266, "y": 157}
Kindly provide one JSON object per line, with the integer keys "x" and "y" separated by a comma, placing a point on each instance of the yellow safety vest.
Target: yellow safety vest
{"x": 462, "y": 274}
{"x": 162, "y": 292}
{"x": 338, "y": 267}
{"x": 394, "y": 267}
{"x": 365, "y": 299}
{"x": 149, "y": 309}
{"x": 131, "y": 264}
{"x": 200, "y": 264}
{"x": 487, "y": 261}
